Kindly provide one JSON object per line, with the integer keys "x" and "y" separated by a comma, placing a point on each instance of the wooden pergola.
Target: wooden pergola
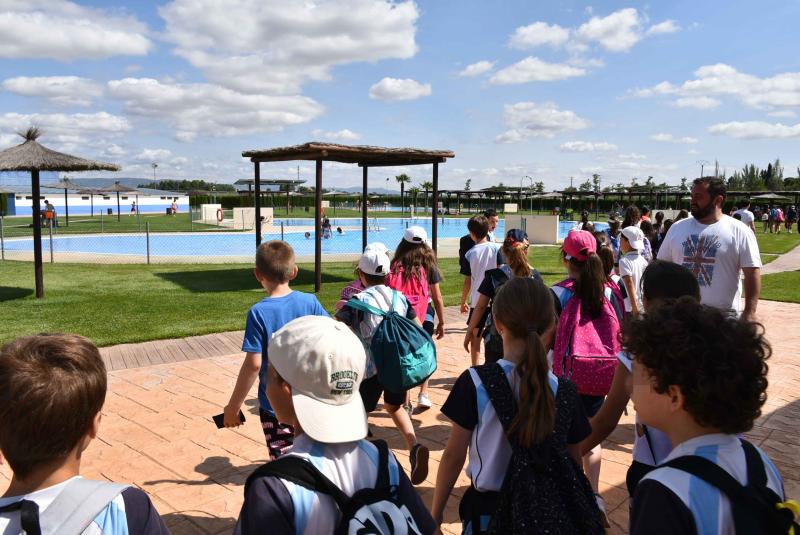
{"x": 363, "y": 155}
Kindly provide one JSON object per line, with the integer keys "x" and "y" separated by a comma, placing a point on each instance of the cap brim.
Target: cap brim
{"x": 332, "y": 424}
{"x": 637, "y": 244}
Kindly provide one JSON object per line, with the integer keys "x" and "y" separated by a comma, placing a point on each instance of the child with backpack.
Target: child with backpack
{"x": 331, "y": 480}
{"x": 356, "y": 287}
{"x": 520, "y": 427}
{"x": 416, "y": 274}
{"x": 661, "y": 280}
{"x": 587, "y": 337}
{"x": 515, "y": 253}
{"x": 712, "y": 481}
{"x": 365, "y": 314}
{"x": 52, "y": 389}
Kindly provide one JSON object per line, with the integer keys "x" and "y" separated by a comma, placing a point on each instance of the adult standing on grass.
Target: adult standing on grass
{"x": 748, "y": 217}
{"x": 716, "y": 248}
{"x": 494, "y": 219}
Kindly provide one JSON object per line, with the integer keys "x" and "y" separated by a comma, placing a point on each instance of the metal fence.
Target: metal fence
{"x": 220, "y": 236}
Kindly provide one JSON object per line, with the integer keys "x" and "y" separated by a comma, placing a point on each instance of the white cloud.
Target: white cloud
{"x": 632, "y": 156}
{"x": 341, "y": 135}
{"x": 668, "y": 26}
{"x": 756, "y": 130}
{"x": 478, "y": 68}
{"x": 84, "y": 134}
{"x": 274, "y": 47}
{"x": 783, "y": 113}
{"x": 587, "y": 146}
{"x": 538, "y": 34}
{"x": 399, "y": 89}
{"x": 693, "y": 151}
{"x": 114, "y": 150}
{"x": 617, "y": 32}
{"x": 153, "y": 155}
{"x": 61, "y": 90}
{"x": 65, "y": 31}
{"x": 526, "y": 120}
{"x": 698, "y": 103}
{"x": 532, "y": 69}
{"x": 211, "y": 110}
{"x": 721, "y": 80}
{"x": 669, "y": 138}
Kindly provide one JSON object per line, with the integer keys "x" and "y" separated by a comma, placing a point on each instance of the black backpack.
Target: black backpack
{"x": 544, "y": 490}
{"x": 755, "y": 506}
{"x": 370, "y": 511}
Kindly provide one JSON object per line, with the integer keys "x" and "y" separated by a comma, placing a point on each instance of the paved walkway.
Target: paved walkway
{"x": 786, "y": 262}
{"x": 157, "y": 432}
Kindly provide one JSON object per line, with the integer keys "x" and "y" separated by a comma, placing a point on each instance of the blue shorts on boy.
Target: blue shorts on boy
{"x": 130, "y": 512}
{"x": 668, "y": 500}
{"x": 284, "y": 508}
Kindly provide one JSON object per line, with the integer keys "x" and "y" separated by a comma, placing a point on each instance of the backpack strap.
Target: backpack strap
{"x": 78, "y": 505}
{"x": 383, "y": 480}
{"x": 394, "y": 300}
{"x": 358, "y": 304}
{"x": 300, "y": 472}
{"x": 500, "y": 395}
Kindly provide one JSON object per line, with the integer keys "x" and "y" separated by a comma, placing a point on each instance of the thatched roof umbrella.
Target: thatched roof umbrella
{"x": 124, "y": 189}
{"x": 33, "y": 157}
{"x": 64, "y": 184}
{"x": 91, "y": 192}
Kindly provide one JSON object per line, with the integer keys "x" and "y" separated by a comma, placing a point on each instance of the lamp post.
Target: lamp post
{"x": 531, "y": 189}
{"x": 154, "y": 165}
{"x": 702, "y": 164}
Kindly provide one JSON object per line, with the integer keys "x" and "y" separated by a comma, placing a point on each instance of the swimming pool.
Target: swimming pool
{"x": 241, "y": 244}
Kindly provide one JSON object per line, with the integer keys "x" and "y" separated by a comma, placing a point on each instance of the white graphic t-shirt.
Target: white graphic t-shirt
{"x": 715, "y": 254}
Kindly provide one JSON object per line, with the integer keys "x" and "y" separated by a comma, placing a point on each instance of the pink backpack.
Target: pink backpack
{"x": 415, "y": 288}
{"x": 586, "y": 348}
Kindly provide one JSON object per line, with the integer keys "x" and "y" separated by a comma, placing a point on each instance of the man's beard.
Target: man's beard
{"x": 702, "y": 212}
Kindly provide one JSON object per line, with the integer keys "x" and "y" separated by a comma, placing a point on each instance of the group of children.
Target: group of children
{"x": 528, "y": 422}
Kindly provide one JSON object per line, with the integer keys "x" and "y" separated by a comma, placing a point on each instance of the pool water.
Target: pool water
{"x": 386, "y": 230}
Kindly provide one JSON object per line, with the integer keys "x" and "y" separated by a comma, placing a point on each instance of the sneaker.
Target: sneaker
{"x": 419, "y": 463}
{"x": 601, "y": 504}
{"x": 409, "y": 408}
{"x": 423, "y": 402}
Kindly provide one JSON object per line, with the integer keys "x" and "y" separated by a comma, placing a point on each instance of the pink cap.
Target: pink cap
{"x": 579, "y": 244}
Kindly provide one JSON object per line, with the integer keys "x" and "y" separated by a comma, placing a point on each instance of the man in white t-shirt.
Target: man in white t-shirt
{"x": 747, "y": 217}
{"x": 717, "y": 249}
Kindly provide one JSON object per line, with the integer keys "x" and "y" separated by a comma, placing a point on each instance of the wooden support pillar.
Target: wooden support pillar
{"x": 434, "y": 213}
{"x": 364, "y": 211}
{"x": 257, "y": 180}
{"x": 37, "y": 234}
{"x": 318, "y": 230}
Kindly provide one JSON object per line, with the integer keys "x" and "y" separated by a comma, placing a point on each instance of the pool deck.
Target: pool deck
{"x": 157, "y": 434}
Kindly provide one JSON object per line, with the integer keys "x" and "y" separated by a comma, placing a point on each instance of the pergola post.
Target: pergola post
{"x": 257, "y": 183}
{"x": 434, "y": 210}
{"x": 37, "y": 234}
{"x": 318, "y": 230}
{"x": 364, "y": 212}
{"x": 66, "y": 209}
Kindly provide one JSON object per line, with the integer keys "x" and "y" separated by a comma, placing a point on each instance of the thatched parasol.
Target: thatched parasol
{"x": 117, "y": 187}
{"x": 64, "y": 184}
{"x": 33, "y": 157}
{"x": 91, "y": 192}
{"x": 770, "y": 197}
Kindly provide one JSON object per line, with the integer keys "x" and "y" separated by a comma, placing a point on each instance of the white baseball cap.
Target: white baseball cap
{"x": 374, "y": 262}
{"x": 324, "y": 362}
{"x": 415, "y": 234}
{"x": 635, "y": 236}
{"x": 376, "y": 246}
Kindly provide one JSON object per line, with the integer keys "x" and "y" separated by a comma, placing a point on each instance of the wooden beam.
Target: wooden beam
{"x": 364, "y": 210}
{"x": 318, "y": 230}
{"x": 37, "y": 234}
{"x": 389, "y": 163}
{"x": 257, "y": 181}
{"x": 434, "y": 210}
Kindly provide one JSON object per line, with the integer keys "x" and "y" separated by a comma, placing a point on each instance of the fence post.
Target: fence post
{"x": 191, "y": 219}
{"x": 51, "y": 241}
{"x": 282, "y": 231}
{"x": 2, "y": 240}
{"x": 101, "y": 223}
{"x": 147, "y": 227}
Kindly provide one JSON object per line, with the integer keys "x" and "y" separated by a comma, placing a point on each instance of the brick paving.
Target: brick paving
{"x": 157, "y": 433}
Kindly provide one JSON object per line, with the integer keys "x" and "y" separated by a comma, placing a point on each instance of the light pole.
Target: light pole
{"x": 154, "y": 165}
{"x": 387, "y": 193}
{"x": 531, "y": 189}
{"x": 702, "y": 163}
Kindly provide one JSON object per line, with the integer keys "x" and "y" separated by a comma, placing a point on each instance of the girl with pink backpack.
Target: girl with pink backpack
{"x": 587, "y": 336}
{"x": 415, "y": 273}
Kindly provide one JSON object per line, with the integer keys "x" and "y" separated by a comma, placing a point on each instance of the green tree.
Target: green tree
{"x": 414, "y": 191}
{"x": 683, "y": 184}
{"x": 427, "y": 186}
{"x": 402, "y": 180}
{"x": 586, "y": 186}
{"x": 596, "y": 183}
{"x": 538, "y": 187}
{"x": 468, "y": 184}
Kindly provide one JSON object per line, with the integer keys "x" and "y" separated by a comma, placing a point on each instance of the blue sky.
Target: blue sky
{"x": 515, "y": 88}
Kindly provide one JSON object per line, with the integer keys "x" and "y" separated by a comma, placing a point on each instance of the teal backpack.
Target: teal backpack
{"x": 403, "y": 352}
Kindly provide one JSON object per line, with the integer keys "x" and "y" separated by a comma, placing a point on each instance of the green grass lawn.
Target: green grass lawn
{"x": 132, "y": 303}
{"x": 781, "y": 287}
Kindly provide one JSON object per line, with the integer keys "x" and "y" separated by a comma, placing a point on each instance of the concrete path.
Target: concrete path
{"x": 157, "y": 431}
{"x": 786, "y": 262}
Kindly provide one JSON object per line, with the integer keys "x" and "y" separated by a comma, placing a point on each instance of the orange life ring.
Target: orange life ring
{"x": 220, "y": 215}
